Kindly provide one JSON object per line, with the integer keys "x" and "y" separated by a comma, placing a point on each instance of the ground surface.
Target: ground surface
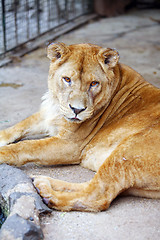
{"x": 136, "y": 35}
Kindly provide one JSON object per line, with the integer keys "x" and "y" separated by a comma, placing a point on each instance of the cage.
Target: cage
{"x": 23, "y": 21}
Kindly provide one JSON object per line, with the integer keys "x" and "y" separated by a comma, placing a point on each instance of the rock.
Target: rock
{"x": 18, "y": 228}
{"x": 11, "y": 176}
{"x": 21, "y": 204}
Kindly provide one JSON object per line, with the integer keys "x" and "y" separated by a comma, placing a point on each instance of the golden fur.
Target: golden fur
{"x": 99, "y": 113}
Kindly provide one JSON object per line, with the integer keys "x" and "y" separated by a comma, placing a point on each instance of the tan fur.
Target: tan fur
{"x": 99, "y": 113}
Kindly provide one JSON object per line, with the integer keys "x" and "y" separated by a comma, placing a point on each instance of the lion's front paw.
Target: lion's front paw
{"x": 3, "y": 138}
{"x": 4, "y": 156}
{"x": 3, "y": 143}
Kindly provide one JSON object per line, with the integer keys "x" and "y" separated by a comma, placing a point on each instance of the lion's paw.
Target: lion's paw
{"x": 49, "y": 196}
{"x": 60, "y": 200}
{"x": 3, "y": 138}
{"x": 3, "y": 142}
{"x": 43, "y": 187}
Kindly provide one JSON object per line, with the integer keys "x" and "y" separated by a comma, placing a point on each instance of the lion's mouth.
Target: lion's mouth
{"x": 75, "y": 119}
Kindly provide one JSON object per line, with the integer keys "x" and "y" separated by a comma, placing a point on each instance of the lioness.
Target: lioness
{"x": 99, "y": 113}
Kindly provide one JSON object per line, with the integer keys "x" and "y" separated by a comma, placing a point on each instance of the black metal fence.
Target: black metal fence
{"x": 25, "y": 20}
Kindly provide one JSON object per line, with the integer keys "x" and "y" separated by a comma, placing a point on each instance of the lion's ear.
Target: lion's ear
{"x": 56, "y": 51}
{"x": 109, "y": 57}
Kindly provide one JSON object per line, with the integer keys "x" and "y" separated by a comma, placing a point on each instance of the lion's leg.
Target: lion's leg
{"x": 96, "y": 195}
{"x": 59, "y": 185}
{"x": 48, "y": 151}
{"x": 31, "y": 125}
{"x": 131, "y": 165}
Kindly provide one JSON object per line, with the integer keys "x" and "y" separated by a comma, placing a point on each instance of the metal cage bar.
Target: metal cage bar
{"x": 3, "y": 26}
{"x": 23, "y": 21}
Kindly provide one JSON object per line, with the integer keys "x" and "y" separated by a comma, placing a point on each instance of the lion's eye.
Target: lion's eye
{"x": 94, "y": 84}
{"x": 67, "y": 79}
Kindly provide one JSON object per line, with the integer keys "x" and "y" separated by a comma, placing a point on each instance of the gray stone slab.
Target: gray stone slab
{"x": 18, "y": 228}
{"x": 21, "y": 205}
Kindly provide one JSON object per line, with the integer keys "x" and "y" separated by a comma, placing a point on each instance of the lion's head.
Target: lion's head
{"x": 82, "y": 78}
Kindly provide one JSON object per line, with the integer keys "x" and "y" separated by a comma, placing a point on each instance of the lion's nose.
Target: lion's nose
{"x": 77, "y": 110}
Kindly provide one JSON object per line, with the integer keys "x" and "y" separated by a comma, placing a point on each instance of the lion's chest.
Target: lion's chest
{"x": 95, "y": 156}
{"x": 105, "y": 143}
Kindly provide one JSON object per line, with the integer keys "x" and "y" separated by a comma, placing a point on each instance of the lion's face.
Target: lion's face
{"x": 82, "y": 78}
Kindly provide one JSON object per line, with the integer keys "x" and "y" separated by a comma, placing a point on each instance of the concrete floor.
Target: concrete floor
{"x": 136, "y": 35}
